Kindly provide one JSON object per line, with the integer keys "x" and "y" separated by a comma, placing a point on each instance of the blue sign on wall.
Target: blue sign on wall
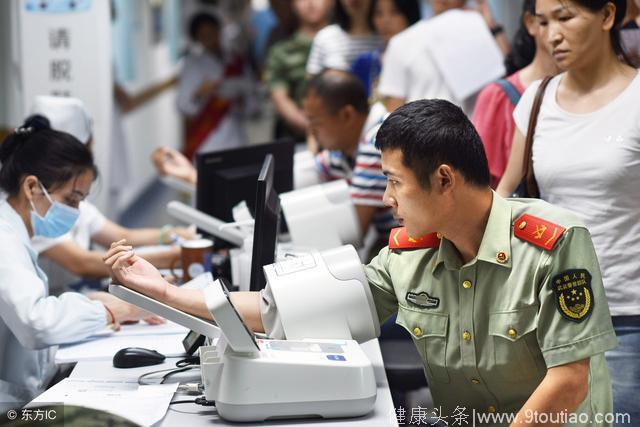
{"x": 57, "y": 6}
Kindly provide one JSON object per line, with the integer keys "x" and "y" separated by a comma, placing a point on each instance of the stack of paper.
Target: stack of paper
{"x": 144, "y": 405}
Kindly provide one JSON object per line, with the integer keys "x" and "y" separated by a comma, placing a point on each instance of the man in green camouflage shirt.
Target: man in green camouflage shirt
{"x": 285, "y": 69}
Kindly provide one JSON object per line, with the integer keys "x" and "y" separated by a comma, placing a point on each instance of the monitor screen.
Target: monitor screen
{"x": 267, "y": 224}
{"x": 227, "y": 177}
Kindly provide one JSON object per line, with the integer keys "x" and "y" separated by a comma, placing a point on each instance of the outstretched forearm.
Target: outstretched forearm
{"x": 192, "y": 301}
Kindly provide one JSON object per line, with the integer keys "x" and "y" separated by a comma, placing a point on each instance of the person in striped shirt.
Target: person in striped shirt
{"x": 335, "y": 103}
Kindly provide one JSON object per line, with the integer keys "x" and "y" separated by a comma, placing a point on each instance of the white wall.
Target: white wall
{"x": 10, "y": 102}
{"x": 155, "y": 123}
{"x": 507, "y": 12}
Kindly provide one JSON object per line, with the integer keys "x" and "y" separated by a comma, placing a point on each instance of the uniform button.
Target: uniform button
{"x": 512, "y": 333}
{"x": 439, "y": 235}
{"x": 467, "y": 284}
{"x": 522, "y": 225}
{"x": 475, "y": 381}
{"x": 502, "y": 257}
{"x": 491, "y": 409}
{"x": 417, "y": 332}
{"x": 466, "y": 335}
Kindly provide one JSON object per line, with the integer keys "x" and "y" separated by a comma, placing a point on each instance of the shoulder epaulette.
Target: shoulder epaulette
{"x": 399, "y": 239}
{"x": 537, "y": 231}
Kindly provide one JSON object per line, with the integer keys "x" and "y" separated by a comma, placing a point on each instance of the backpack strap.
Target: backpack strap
{"x": 511, "y": 90}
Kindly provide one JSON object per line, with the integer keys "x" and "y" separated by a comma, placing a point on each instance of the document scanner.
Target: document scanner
{"x": 260, "y": 379}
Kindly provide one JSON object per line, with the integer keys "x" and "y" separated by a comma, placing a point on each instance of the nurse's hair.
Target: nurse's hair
{"x": 432, "y": 132}
{"x": 35, "y": 149}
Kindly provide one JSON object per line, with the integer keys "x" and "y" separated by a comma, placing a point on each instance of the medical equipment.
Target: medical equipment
{"x": 206, "y": 222}
{"x": 324, "y": 295}
{"x": 255, "y": 379}
{"x": 322, "y": 216}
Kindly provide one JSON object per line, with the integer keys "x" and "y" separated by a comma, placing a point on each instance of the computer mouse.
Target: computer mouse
{"x": 133, "y": 357}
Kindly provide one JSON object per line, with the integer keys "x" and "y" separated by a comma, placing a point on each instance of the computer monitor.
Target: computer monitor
{"x": 267, "y": 224}
{"x": 227, "y": 177}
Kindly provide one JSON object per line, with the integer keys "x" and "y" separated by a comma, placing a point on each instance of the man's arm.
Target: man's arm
{"x": 501, "y": 39}
{"x": 562, "y": 390}
{"x": 192, "y": 301}
{"x": 132, "y": 271}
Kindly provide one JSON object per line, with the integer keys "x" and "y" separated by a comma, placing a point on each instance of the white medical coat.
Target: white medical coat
{"x": 32, "y": 323}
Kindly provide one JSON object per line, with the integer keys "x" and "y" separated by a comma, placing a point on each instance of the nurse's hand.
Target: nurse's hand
{"x": 123, "y": 312}
{"x": 134, "y": 272}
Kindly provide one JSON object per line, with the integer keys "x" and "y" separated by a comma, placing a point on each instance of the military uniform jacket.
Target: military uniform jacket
{"x": 487, "y": 331}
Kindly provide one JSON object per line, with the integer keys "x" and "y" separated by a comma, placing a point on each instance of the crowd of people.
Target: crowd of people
{"x": 434, "y": 123}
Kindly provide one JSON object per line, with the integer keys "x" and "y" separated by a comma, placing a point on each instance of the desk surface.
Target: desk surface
{"x": 194, "y": 415}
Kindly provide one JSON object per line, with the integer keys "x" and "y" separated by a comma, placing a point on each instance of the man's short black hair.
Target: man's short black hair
{"x": 200, "y": 19}
{"x": 432, "y": 132}
{"x": 337, "y": 89}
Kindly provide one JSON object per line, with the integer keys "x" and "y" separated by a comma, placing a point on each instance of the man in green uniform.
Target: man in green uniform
{"x": 505, "y": 302}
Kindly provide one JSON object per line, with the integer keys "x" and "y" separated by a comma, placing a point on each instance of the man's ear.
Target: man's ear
{"x": 347, "y": 113}
{"x": 445, "y": 178}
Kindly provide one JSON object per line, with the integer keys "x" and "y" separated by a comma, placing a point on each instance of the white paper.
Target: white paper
{"x": 144, "y": 405}
{"x": 464, "y": 51}
{"x": 169, "y": 345}
{"x": 142, "y": 328}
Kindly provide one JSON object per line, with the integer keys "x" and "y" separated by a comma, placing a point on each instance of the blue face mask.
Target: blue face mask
{"x": 58, "y": 220}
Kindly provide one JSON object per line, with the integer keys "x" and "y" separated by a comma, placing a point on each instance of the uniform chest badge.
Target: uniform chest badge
{"x": 422, "y": 300}
{"x": 574, "y": 297}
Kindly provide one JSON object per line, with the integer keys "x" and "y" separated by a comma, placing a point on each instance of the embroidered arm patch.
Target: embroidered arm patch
{"x": 573, "y": 295}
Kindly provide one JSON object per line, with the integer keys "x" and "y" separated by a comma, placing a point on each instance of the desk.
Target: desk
{"x": 194, "y": 415}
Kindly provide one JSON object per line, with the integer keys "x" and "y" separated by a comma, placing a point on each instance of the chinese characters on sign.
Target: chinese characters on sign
{"x": 60, "y": 65}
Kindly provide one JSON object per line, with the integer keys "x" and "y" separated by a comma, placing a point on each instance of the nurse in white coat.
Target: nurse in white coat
{"x": 71, "y": 257}
{"x": 45, "y": 174}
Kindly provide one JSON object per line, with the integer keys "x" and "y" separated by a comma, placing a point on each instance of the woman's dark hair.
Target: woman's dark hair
{"x": 409, "y": 8}
{"x": 200, "y": 19}
{"x": 523, "y": 48}
{"x": 621, "y": 11}
{"x": 36, "y": 149}
{"x": 341, "y": 17}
